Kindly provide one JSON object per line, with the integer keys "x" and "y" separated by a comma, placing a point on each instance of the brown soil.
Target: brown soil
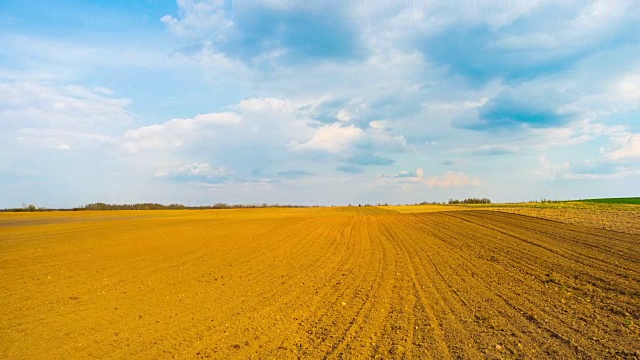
{"x": 316, "y": 283}
{"x": 621, "y": 221}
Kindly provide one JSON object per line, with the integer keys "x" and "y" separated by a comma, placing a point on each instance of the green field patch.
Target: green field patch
{"x": 630, "y": 200}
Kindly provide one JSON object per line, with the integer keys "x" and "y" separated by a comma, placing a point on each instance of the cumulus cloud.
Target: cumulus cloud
{"x": 262, "y": 105}
{"x": 333, "y": 138}
{"x": 176, "y": 132}
{"x": 211, "y": 119}
{"x": 261, "y": 136}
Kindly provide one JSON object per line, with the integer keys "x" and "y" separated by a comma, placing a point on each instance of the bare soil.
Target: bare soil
{"x": 316, "y": 283}
{"x": 615, "y": 220}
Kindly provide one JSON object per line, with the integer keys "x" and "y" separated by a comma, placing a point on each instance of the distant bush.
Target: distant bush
{"x": 470, "y": 201}
{"x": 429, "y": 203}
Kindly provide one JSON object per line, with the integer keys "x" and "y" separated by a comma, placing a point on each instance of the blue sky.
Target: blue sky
{"x": 305, "y": 102}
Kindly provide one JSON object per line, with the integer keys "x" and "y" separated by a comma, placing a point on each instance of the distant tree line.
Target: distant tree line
{"x": 140, "y": 206}
{"x": 27, "y": 208}
{"x": 150, "y": 206}
{"x": 154, "y": 206}
{"x": 365, "y": 205}
{"x": 99, "y": 206}
{"x": 470, "y": 201}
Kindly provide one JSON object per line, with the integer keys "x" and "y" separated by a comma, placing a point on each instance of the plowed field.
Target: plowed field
{"x": 314, "y": 283}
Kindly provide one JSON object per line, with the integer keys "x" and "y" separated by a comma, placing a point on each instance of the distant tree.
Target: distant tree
{"x": 29, "y": 207}
{"x": 470, "y": 201}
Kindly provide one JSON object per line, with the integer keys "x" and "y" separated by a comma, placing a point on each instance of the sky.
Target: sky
{"x": 317, "y": 102}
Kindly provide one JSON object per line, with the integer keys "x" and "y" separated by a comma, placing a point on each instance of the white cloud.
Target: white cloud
{"x": 344, "y": 115}
{"x": 214, "y": 119}
{"x": 60, "y": 139}
{"x": 28, "y": 103}
{"x": 261, "y": 105}
{"x": 452, "y": 179}
{"x": 37, "y": 116}
{"x": 199, "y": 18}
{"x": 390, "y": 23}
{"x": 573, "y": 134}
{"x": 604, "y": 97}
{"x": 379, "y": 124}
{"x": 549, "y": 171}
{"x": 587, "y": 170}
{"x": 333, "y": 138}
{"x": 629, "y": 148}
{"x": 194, "y": 169}
{"x": 590, "y": 24}
{"x": 252, "y": 138}
{"x": 176, "y": 132}
{"x": 383, "y": 139}
{"x": 629, "y": 88}
{"x": 217, "y": 67}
